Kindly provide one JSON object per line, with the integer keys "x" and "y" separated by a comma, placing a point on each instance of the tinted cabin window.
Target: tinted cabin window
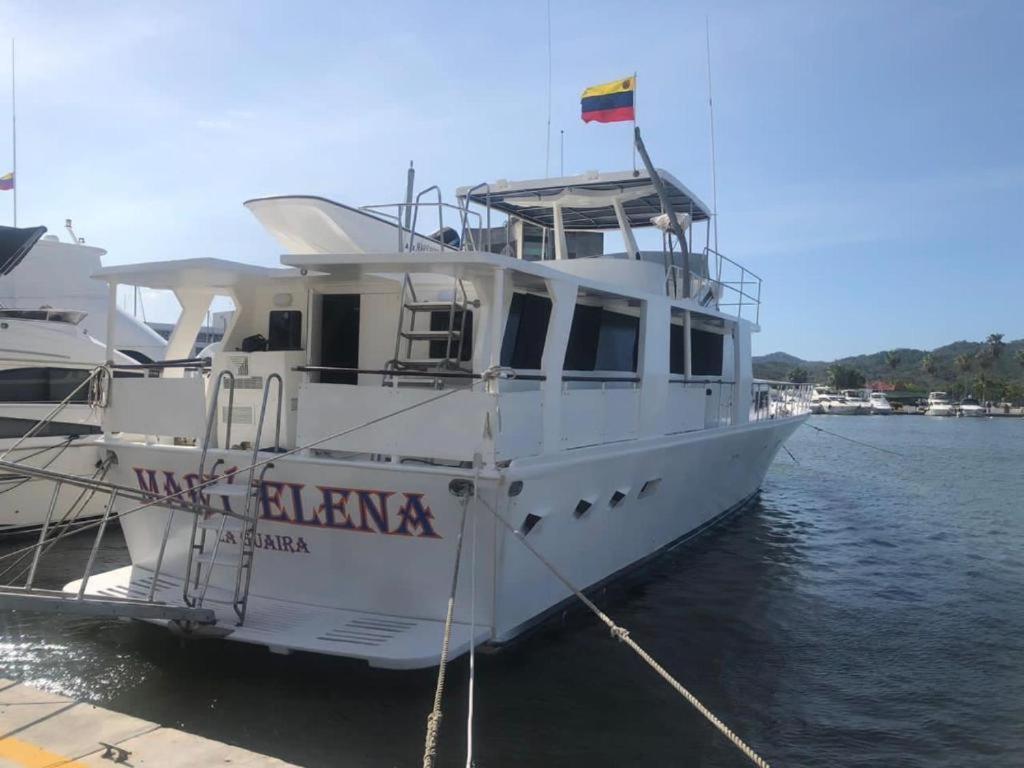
{"x": 602, "y": 340}
{"x": 525, "y": 331}
{"x": 581, "y": 351}
{"x": 42, "y": 385}
{"x": 618, "y": 342}
{"x": 706, "y": 357}
{"x": 677, "y": 349}
{"x": 285, "y": 330}
{"x": 439, "y": 322}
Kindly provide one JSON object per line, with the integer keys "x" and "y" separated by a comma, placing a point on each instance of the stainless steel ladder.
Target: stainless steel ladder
{"x": 407, "y": 370}
{"x": 202, "y": 556}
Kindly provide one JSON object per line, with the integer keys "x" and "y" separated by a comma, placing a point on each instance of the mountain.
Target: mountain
{"x": 962, "y": 366}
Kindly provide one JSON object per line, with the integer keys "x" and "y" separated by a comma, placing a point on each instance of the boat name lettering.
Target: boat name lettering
{"x": 351, "y": 509}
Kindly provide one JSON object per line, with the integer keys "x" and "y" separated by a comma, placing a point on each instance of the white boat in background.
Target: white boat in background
{"x": 50, "y": 274}
{"x": 860, "y": 398}
{"x": 46, "y": 355}
{"x": 939, "y": 405}
{"x": 837, "y": 405}
{"x": 818, "y": 394}
{"x": 970, "y": 407}
{"x": 880, "y": 404}
{"x": 414, "y": 396}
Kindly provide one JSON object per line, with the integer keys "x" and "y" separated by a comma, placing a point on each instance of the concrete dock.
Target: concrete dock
{"x": 45, "y": 730}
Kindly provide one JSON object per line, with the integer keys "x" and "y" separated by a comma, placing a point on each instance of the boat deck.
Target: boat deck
{"x": 391, "y": 642}
{"x": 45, "y": 729}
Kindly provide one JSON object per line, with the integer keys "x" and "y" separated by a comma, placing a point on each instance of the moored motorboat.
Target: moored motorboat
{"x": 970, "y": 407}
{"x": 368, "y": 411}
{"x": 939, "y": 405}
{"x": 879, "y": 404}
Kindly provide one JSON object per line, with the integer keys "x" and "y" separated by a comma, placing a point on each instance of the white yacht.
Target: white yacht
{"x": 818, "y": 394}
{"x": 46, "y": 355}
{"x": 369, "y": 411}
{"x": 43, "y": 273}
{"x": 939, "y": 405}
{"x": 859, "y": 398}
{"x": 879, "y": 404}
{"x": 970, "y": 406}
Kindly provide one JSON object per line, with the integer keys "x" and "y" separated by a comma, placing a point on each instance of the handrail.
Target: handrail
{"x": 439, "y": 374}
{"x": 186, "y": 362}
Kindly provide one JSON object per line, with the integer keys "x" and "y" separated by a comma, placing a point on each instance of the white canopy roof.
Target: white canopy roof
{"x": 587, "y": 201}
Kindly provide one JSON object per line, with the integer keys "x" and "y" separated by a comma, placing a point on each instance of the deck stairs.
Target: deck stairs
{"x": 431, "y": 337}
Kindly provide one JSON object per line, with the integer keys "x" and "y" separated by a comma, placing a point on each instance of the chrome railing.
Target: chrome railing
{"x": 728, "y": 286}
{"x": 777, "y": 399}
{"x": 395, "y": 213}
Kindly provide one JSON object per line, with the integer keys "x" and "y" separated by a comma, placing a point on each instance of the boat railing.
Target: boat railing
{"x": 405, "y": 216}
{"x": 728, "y": 286}
{"x": 775, "y": 399}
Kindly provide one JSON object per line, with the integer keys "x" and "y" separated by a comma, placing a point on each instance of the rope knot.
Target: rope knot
{"x": 620, "y": 633}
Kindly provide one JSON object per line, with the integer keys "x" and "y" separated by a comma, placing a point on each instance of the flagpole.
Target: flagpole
{"x": 14, "y": 140}
{"x": 635, "y": 88}
{"x": 711, "y": 118}
{"x": 547, "y": 145}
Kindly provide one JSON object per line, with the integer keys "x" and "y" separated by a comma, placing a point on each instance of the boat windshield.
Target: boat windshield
{"x": 52, "y": 315}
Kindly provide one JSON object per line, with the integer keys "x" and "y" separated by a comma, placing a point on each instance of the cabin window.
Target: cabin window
{"x": 439, "y": 322}
{"x": 677, "y": 349}
{"x": 285, "y": 330}
{"x": 525, "y": 331}
{"x": 42, "y": 385}
{"x": 706, "y": 356}
{"x": 602, "y": 340}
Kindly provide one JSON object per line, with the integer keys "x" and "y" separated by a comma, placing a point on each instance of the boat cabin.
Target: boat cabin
{"x": 461, "y": 353}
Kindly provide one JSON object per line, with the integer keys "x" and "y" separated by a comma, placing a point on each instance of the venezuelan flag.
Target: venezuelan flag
{"x": 609, "y": 102}
{"x": 7, "y": 182}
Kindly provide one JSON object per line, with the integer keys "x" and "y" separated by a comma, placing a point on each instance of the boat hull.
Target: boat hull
{"x": 24, "y": 504}
{"x": 340, "y": 541}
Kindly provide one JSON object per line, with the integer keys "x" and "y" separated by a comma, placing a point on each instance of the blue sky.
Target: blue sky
{"x": 870, "y": 154}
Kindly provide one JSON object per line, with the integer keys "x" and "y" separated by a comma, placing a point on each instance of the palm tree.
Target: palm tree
{"x": 985, "y": 358}
{"x": 892, "y": 359}
{"x": 963, "y": 363}
{"x": 995, "y": 344}
{"x": 928, "y": 363}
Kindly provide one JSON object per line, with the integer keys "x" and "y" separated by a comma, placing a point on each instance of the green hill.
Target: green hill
{"x": 987, "y": 369}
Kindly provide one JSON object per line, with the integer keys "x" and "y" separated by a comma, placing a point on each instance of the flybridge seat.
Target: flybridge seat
{"x": 308, "y": 224}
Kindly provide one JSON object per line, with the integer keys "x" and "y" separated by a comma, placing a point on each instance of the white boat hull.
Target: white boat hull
{"x": 331, "y": 552}
{"x": 24, "y": 504}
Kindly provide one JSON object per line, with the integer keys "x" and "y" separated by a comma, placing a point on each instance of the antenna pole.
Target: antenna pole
{"x": 711, "y": 117}
{"x": 561, "y": 153}
{"x": 547, "y": 146}
{"x": 14, "y": 140}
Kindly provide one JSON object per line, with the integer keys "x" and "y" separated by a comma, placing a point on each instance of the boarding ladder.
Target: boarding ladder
{"x": 444, "y": 345}
{"x": 210, "y": 529}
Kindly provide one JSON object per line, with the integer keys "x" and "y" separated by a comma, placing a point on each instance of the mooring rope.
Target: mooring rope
{"x": 851, "y": 440}
{"x": 434, "y": 718}
{"x": 622, "y": 635}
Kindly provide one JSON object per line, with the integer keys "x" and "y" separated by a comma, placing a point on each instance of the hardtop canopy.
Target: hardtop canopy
{"x": 587, "y": 201}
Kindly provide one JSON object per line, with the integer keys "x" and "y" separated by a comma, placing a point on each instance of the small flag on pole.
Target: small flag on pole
{"x": 7, "y": 182}
{"x": 609, "y": 102}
